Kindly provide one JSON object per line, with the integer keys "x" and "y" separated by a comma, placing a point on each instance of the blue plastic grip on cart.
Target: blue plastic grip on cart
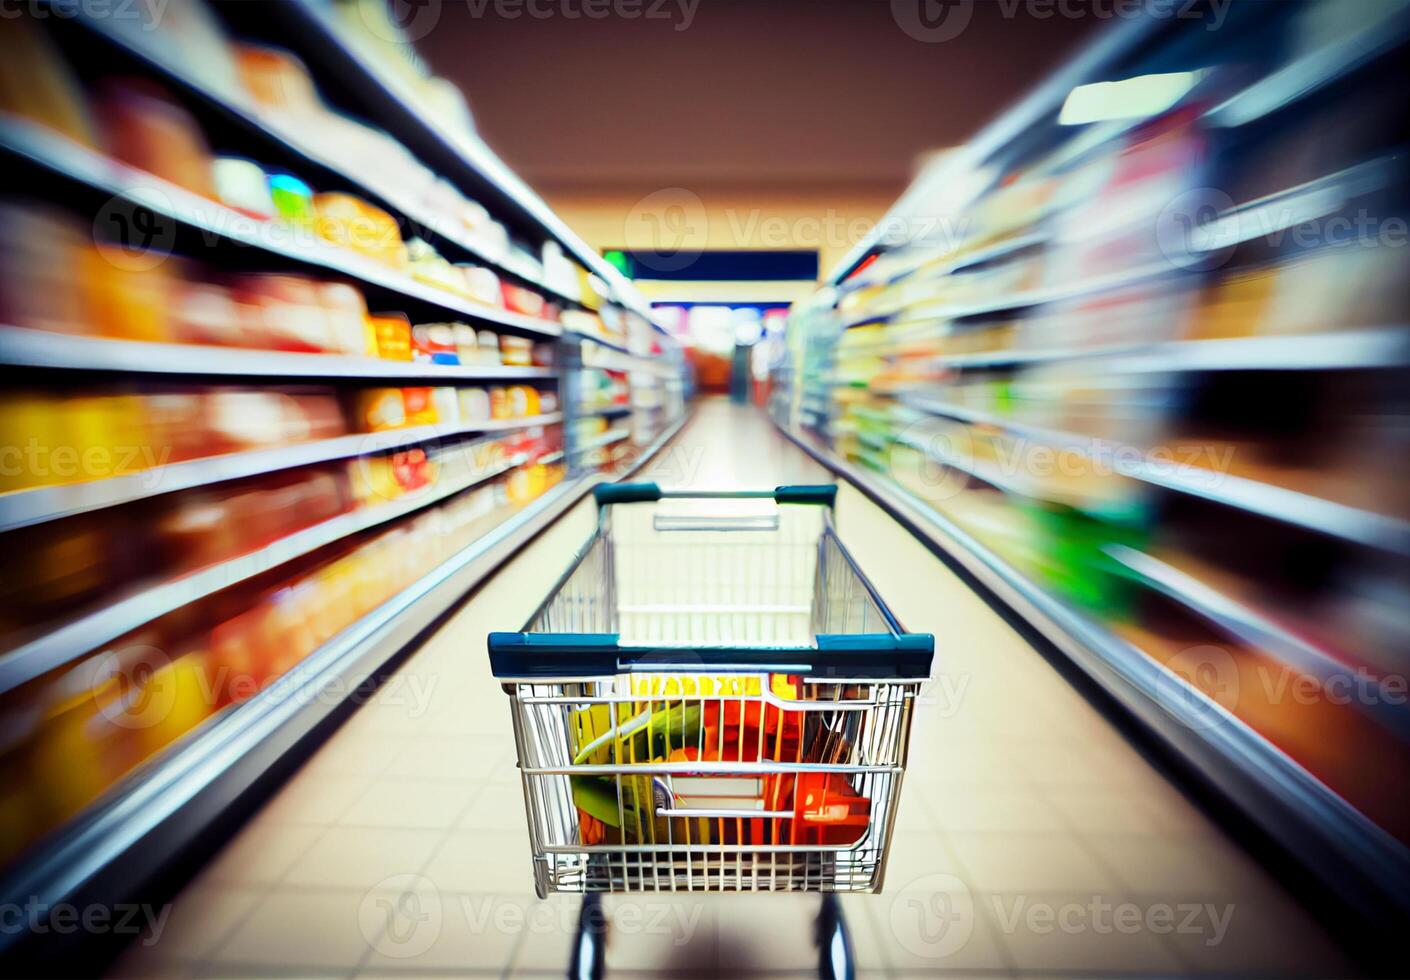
{"x": 824, "y": 495}
{"x": 906, "y": 656}
{"x": 557, "y": 654}
{"x": 625, "y": 493}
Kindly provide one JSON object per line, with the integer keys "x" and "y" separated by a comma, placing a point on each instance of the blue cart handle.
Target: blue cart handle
{"x": 823, "y": 495}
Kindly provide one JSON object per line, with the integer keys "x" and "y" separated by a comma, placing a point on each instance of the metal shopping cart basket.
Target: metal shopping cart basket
{"x": 712, "y": 698}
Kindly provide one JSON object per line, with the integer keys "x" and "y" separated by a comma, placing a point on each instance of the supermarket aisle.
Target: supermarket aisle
{"x": 1031, "y": 836}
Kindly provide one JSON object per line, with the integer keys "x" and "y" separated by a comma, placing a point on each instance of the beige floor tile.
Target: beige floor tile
{"x": 443, "y": 757}
{"x": 1181, "y": 866}
{"x": 201, "y": 917}
{"x": 1067, "y": 932}
{"x": 918, "y": 854}
{"x": 484, "y": 862}
{"x": 685, "y": 944}
{"x": 935, "y": 924}
{"x": 1264, "y": 935}
{"x": 299, "y": 931}
{"x": 354, "y": 755}
{"x": 498, "y": 807}
{"x": 410, "y": 803}
{"x": 1063, "y": 762}
{"x": 548, "y": 944}
{"x": 317, "y": 800}
{"x": 1014, "y": 862}
{"x": 767, "y": 934}
{"x": 362, "y": 857}
{"x": 1101, "y": 811}
{"x": 261, "y": 853}
{"x": 987, "y": 808}
{"x": 459, "y": 934}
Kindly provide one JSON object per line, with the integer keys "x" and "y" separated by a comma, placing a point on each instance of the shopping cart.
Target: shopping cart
{"x": 712, "y": 698}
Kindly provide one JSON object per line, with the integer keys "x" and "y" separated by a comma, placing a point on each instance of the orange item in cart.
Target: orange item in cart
{"x": 827, "y": 810}
{"x": 391, "y": 333}
{"x": 352, "y": 223}
{"x": 145, "y": 128}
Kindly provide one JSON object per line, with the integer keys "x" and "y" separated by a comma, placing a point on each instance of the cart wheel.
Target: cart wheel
{"x": 834, "y": 945}
{"x": 591, "y": 945}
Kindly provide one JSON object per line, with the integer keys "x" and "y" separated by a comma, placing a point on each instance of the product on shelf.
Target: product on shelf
{"x": 36, "y": 84}
{"x": 147, "y": 129}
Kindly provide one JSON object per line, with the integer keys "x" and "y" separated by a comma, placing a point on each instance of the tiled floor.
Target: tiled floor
{"x": 1032, "y": 838}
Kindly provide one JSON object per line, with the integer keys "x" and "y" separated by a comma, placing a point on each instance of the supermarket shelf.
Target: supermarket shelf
{"x": 1357, "y": 859}
{"x": 967, "y": 260}
{"x": 988, "y": 472}
{"x": 24, "y": 507}
{"x": 602, "y": 342}
{"x": 1253, "y": 628}
{"x": 23, "y": 347}
{"x": 1342, "y": 350}
{"x": 606, "y": 412}
{"x": 314, "y": 21}
{"x": 178, "y": 205}
{"x": 1351, "y": 524}
{"x": 86, "y": 633}
{"x": 635, "y": 363}
{"x": 1032, "y": 297}
{"x": 139, "y": 45}
{"x": 175, "y": 798}
{"x": 605, "y": 439}
{"x": 1273, "y": 214}
{"x": 1312, "y": 72}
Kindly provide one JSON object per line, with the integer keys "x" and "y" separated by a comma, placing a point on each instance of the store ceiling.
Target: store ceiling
{"x": 744, "y": 92}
